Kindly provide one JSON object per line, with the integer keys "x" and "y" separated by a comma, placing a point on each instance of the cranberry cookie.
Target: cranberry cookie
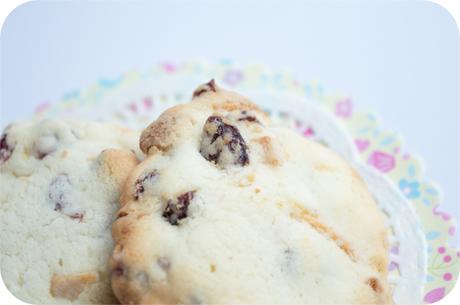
{"x": 229, "y": 209}
{"x": 60, "y": 185}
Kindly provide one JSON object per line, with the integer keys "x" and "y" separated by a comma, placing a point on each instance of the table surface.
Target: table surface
{"x": 399, "y": 59}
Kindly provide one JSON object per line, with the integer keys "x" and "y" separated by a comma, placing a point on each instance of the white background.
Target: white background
{"x": 397, "y": 58}
{"x": 400, "y": 59}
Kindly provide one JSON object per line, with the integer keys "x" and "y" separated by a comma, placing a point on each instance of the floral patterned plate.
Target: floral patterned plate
{"x": 136, "y": 98}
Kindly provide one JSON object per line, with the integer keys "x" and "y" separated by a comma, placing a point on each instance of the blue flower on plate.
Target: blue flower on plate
{"x": 410, "y": 188}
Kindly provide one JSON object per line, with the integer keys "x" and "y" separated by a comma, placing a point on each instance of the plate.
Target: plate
{"x": 423, "y": 266}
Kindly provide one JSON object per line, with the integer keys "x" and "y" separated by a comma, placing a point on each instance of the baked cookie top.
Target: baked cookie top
{"x": 228, "y": 208}
{"x": 60, "y": 185}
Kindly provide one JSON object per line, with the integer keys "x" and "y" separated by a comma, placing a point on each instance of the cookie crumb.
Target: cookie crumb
{"x": 71, "y": 286}
{"x": 212, "y": 268}
{"x": 270, "y": 155}
{"x": 374, "y": 284}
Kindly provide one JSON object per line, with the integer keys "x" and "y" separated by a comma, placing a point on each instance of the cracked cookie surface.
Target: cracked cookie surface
{"x": 228, "y": 208}
{"x": 60, "y": 186}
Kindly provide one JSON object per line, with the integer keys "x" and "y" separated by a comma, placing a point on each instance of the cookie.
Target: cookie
{"x": 228, "y": 208}
{"x": 60, "y": 187}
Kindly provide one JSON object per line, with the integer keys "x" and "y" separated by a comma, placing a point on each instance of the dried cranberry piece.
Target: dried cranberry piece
{"x": 77, "y": 215}
{"x": 177, "y": 209}
{"x": 222, "y": 143}
{"x": 139, "y": 185}
{"x": 59, "y": 196}
{"x": 122, "y": 214}
{"x": 164, "y": 263}
{"x": 245, "y": 116}
{"x": 209, "y": 86}
{"x": 119, "y": 270}
{"x": 57, "y": 192}
{"x": 5, "y": 149}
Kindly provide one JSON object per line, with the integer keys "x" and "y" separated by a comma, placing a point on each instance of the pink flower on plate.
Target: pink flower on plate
{"x": 42, "y": 107}
{"x": 168, "y": 67}
{"x": 447, "y": 277}
{"x": 344, "y": 108}
{"x": 233, "y": 77}
{"x": 148, "y": 103}
{"x": 308, "y": 132}
{"x": 133, "y": 107}
{"x": 435, "y": 295}
{"x": 451, "y": 231}
{"x": 382, "y": 161}
{"x": 362, "y": 145}
{"x": 445, "y": 216}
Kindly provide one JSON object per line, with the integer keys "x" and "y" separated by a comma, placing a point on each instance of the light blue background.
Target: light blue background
{"x": 398, "y": 58}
